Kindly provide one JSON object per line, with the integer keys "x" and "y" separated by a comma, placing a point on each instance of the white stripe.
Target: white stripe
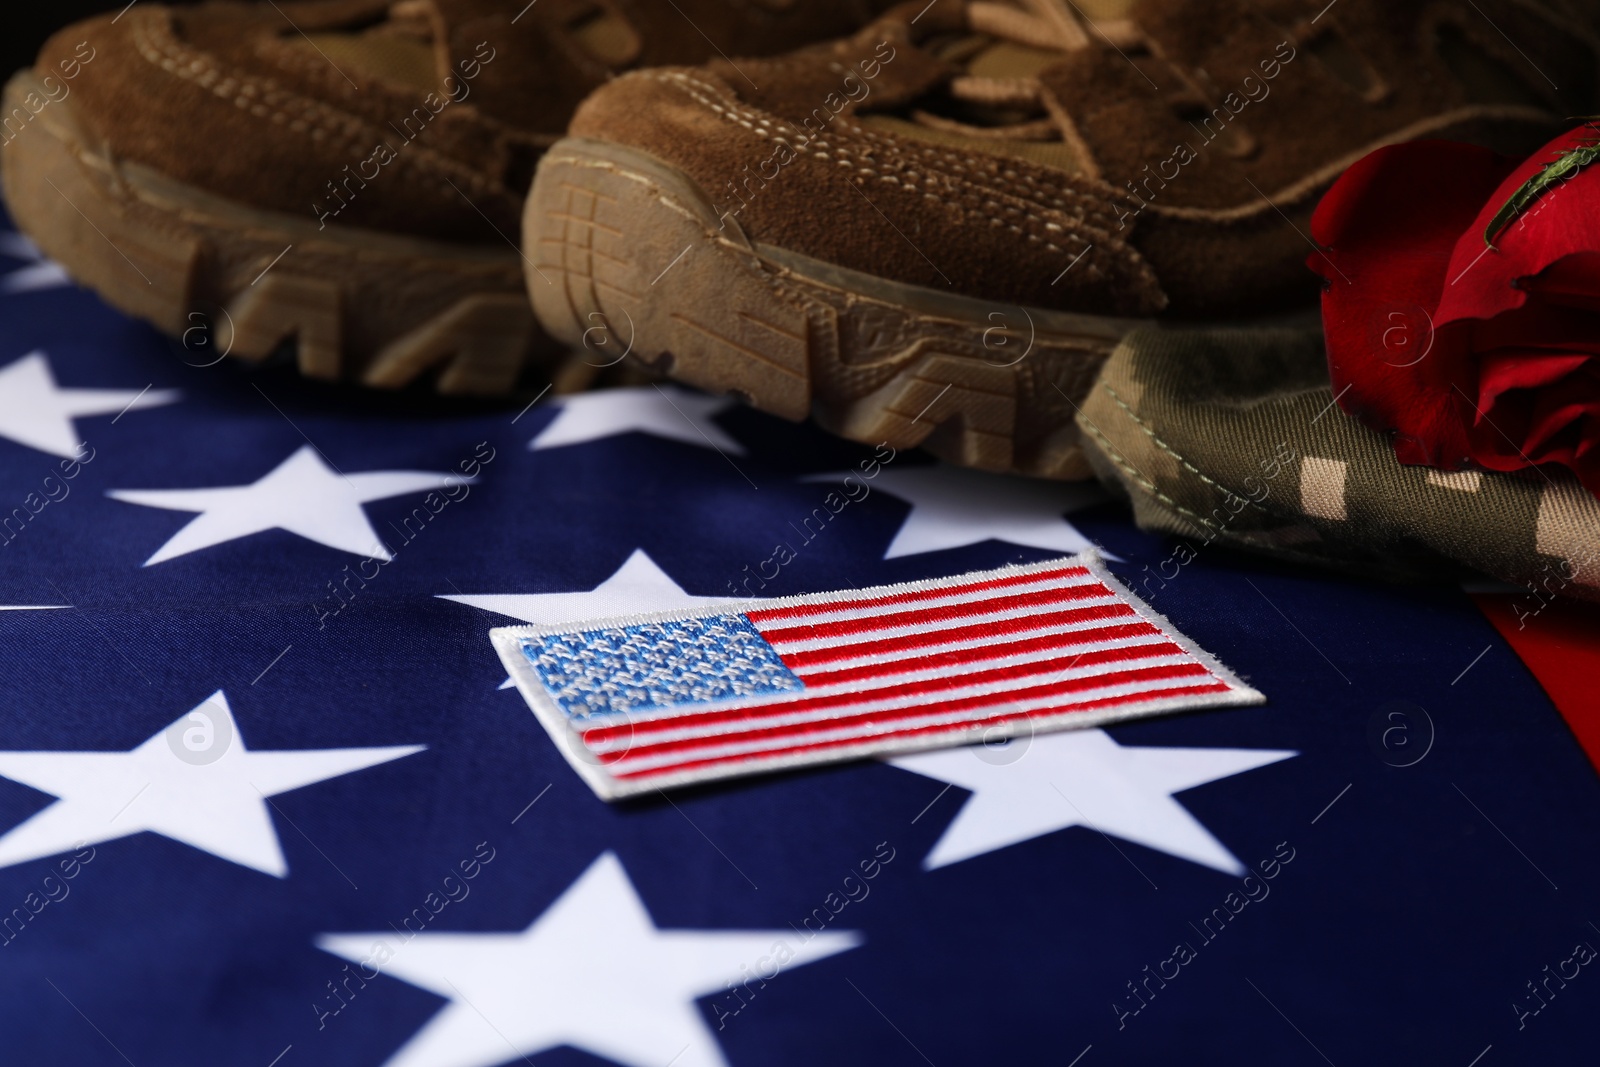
{"x": 868, "y": 609}
{"x": 985, "y": 642}
{"x": 933, "y": 718}
{"x": 944, "y": 624}
{"x": 867, "y": 704}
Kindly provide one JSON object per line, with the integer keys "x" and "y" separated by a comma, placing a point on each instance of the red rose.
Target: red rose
{"x": 1474, "y": 356}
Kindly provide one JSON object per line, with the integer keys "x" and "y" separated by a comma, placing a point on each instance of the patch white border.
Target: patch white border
{"x": 507, "y": 641}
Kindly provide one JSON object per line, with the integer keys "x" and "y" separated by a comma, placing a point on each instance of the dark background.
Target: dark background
{"x": 23, "y": 31}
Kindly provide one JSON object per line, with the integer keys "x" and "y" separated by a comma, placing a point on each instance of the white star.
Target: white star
{"x": 194, "y": 782}
{"x": 592, "y": 973}
{"x": 637, "y": 587}
{"x": 36, "y": 412}
{"x": 302, "y": 495}
{"x": 665, "y": 411}
{"x": 952, "y": 507}
{"x": 40, "y": 272}
{"x": 1081, "y": 778}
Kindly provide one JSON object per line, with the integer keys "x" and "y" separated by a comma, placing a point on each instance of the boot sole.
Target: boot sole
{"x": 357, "y": 305}
{"x": 631, "y": 259}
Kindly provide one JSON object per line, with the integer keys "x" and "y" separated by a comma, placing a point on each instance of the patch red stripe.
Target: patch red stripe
{"x": 979, "y": 655}
{"x": 757, "y": 757}
{"x": 806, "y": 610}
{"x": 933, "y": 686}
{"x": 928, "y": 686}
{"x": 927, "y": 615}
{"x": 795, "y": 661}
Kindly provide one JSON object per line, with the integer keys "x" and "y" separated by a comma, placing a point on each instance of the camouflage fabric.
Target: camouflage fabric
{"x": 1233, "y": 437}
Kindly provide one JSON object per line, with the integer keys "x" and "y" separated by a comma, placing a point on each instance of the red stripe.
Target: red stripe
{"x": 804, "y": 610}
{"x": 796, "y": 661}
{"x": 1105, "y": 702}
{"x": 761, "y": 712}
{"x": 982, "y": 654}
{"x": 756, "y": 715}
{"x": 1561, "y": 647}
{"x": 927, "y": 615}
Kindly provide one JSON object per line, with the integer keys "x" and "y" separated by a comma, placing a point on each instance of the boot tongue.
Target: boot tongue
{"x": 397, "y": 50}
{"x": 523, "y": 66}
{"x": 594, "y": 29}
{"x": 999, "y": 50}
{"x": 1046, "y": 26}
{"x": 1106, "y": 9}
{"x": 530, "y": 64}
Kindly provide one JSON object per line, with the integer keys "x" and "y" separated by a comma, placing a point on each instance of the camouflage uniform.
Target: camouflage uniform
{"x": 1233, "y": 437}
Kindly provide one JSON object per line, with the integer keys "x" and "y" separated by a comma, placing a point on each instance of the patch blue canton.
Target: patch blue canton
{"x": 657, "y": 665}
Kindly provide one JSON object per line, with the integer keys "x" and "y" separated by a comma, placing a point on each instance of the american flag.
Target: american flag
{"x": 647, "y": 702}
{"x": 388, "y": 864}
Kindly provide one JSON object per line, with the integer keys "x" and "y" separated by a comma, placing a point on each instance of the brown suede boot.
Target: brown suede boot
{"x": 934, "y": 232}
{"x": 343, "y": 174}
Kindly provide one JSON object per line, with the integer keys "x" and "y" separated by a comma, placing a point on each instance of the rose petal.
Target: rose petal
{"x": 1389, "y": 225}
{"x": 1551, "y": 416}
{"x": 1537, "y": 415}
{"x": 1500, "y": 371}
{"x": 1573, "y": 281}
{"x": 1563, "y": 222}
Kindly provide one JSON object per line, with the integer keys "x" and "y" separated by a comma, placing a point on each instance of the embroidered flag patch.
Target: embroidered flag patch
{"x": 647, "y": 702}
